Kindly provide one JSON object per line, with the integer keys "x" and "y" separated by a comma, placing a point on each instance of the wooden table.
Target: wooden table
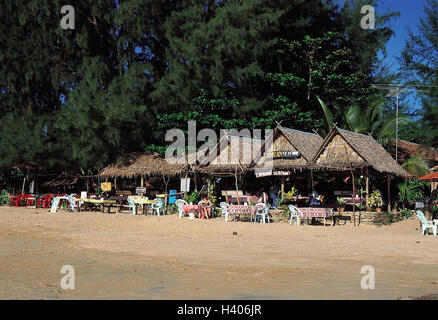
{"x": 100, "y": 202}
{"x": 145, "y": 203}
{"x": 120, "y": 199}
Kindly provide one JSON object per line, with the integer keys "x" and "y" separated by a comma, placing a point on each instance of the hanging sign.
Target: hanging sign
{"x": 272, "y": 173}
{"x": 140, "y": 190}
{"x": 283, "y": 154}
{"x": 105, "y": 186}
{"x": 185, "y": 185}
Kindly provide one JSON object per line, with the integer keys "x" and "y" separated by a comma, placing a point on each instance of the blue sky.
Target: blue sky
{"x": 410, "y": 13}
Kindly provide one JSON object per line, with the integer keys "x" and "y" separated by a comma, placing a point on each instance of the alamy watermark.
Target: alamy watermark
{"x": 368, "y": 280}
{"x": 68, "y": 21}
{"x": 233, "y": 146}
{"x": 368, "y": 20}
{"x": 68, "y": 281}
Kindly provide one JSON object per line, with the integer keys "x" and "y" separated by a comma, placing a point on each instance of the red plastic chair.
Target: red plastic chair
{"x": 29, "y": 200}
{"x": 17, "y": 200}
{"x": 45, "y": 201}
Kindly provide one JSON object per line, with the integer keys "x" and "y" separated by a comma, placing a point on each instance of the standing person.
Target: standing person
{"x": 273, "y": 191}
{"x": 206, "y": 207}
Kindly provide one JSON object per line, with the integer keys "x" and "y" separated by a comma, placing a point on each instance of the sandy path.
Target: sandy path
{"x": 138, "y": 257}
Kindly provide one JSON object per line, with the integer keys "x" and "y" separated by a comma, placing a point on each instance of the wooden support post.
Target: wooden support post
{"x": 237, "y": 187}
{"x": 141, "y": 181}
{"x": 389, "y": 192}
{"x": 282, "y": 187}
{"x": 367, "y": 188}
{"x": 226, "y": 196}
{"x": 115, "y": 183}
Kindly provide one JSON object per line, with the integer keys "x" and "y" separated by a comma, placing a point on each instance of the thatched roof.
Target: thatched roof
{"x": 61, "y": 180}
{"x": 142, "y": 164}
{"x": 408, "y": 149}
{"x": 233, "y": 153}
{"x": 342, "y": 149}
{"x": 306, "y": 145}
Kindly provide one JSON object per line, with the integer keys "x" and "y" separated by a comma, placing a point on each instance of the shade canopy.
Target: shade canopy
{"x": 431, "y": 177}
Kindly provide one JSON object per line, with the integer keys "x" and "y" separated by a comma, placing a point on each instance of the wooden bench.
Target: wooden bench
{"x": 231, "y": 193}
{"x": 123, "y": 193}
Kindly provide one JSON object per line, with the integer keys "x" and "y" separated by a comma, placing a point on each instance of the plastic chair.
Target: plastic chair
{"x": 425, "y": 224}
{"x": 16, "y": 200}
{"x": 158, "y": 206}
{"x": 131, "y": 205}
{"x": 293, "y": 214}
{"x": 180, "y": 203}
{"x": 224, "y": 207}
{"x": 262, "y": 211}
{"x": 72, "y": 202}
{"x": 29, "y": 200}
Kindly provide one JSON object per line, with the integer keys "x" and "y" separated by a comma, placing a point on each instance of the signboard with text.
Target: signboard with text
{"x": 283, "y": 154}
{"x": 140, "y": 190}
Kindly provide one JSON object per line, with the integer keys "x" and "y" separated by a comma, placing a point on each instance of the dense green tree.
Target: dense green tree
{"x": 132, "y": 69}
{"x": 419, "y": 61}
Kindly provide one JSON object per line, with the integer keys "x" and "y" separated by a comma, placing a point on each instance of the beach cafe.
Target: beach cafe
{"x": 301, "y": 174}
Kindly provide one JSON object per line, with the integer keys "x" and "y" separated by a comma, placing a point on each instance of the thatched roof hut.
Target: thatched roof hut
{"x": 406, "y": 150}
{"x": 231, "y": 154}
{"x": 287, "y": 149}
{"x": 142, "y": 164}
{"x": 342, "y": 150}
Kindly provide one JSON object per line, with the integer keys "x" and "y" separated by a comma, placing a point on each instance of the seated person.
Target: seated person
{"x": 263, "y": 196}
{"x": 206, "y": 207}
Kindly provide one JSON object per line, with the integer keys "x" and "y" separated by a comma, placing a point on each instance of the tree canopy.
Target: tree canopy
{"x": 132, "y": 69}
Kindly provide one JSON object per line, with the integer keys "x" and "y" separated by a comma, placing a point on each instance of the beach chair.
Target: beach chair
{"x": 425, "y": 224}
{"x": 293, "y": 214}
{"x": 262, "y": 211}
{"x": 72, "y": 203}
{"x": 224, "y": 211}
{"x": 131, "y": 205}
{"x": 16, "y": 200}
{"x": 180, "y": 203}
{"x": 158, "y": 206}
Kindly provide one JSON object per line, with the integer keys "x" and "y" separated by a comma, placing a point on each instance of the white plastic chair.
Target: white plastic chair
{"x": 262, "y": 211}
{"x": 224, "y": 211}
{"x": 72, "y": 201}
{"x": 293, "y": 214}
{"x": 180, "y": 203}
{"x": 131, "y": 205}
{"x": 158, "y": 206}
{"x": 425, "y": 224}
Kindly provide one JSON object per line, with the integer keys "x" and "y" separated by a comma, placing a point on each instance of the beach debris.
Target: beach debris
{"x": 234, "y": 233}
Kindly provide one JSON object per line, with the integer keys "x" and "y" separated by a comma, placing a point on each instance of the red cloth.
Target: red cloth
{"x": 315, "y": 212}
{"x": 187, "y": 207}
{"x": 236, "y": 209}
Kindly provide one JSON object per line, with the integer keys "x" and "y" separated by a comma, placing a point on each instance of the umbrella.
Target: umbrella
{"x": 432, "y": 177}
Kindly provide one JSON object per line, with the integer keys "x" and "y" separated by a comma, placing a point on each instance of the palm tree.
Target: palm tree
{"x": 416, "y": 166}
{"x": 364, "y": 120}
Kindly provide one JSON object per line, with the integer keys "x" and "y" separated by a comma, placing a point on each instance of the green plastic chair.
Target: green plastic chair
{"x": 425, "y": 224}
{"x": 158, "y": 206}
{"x": 131, "y": 205}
